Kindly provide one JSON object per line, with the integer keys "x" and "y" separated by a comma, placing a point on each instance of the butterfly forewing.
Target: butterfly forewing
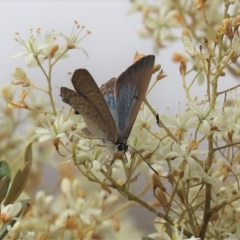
{"x": 131, "y": 88}
{"x": 89, "y": 102}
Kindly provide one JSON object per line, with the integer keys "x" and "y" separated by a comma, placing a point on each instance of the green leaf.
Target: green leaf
{"x": 4, "y": 184}
{"x": 147, "y": 238}
{"x": 20, "y": 180}
{"x": 4, "y": 169}
{"x": 5, "y": 178}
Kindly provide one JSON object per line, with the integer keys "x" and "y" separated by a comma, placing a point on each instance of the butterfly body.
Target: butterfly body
{"x": 110, "y": 112}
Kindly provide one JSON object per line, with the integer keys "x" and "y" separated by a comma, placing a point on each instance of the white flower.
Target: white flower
{"x": 86, "y": 212}
{"x": 229, "y": 124}
{"x": 205, "y": 115}
{"x": 55, "y": 129}
{"x": 62, "y": 219}
{"x": 66, "y": 186}
{"x": 84, "y": 208}
{"x": 15, "y": 232}
{"x": 10, "y": 211}
{"x": 145, "y": 118}
{"x": 205, "y": 111}
{"x": 74, "y": 39}
{"x": 37, "y": 49}
{"x": 140, "y": 139}
{"x": 160, "y": 23}
{"x": 181, "y": 152}
{"x": 161, "y": 232}
{"x": 21, "y": 78}
{"x": 34, "y": 49}
{"x": 182, "y": 123}
{"x": 42, "y": 201}
{"x": 226, "y": 120}
{"x": 27, "y": 236}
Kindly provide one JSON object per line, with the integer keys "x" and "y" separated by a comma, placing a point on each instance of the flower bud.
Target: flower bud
{"x": 53, "y": 50}
{"x": 183, "y": 67}
{"x": 160, "y": 195}
{"x": 236, "y": 23}
{"x": 234, "y": 57}
{"x": 200, "y": 4}
{"x": 116, "y": 224}
{"x": 227, "y": 26}
{"x": 157, "y": 183}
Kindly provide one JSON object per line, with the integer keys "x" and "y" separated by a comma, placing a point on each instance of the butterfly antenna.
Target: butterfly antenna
{"x": 144, "y": 160}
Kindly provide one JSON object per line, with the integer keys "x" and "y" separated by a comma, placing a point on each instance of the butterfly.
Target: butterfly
{"x": 110, "y": 112}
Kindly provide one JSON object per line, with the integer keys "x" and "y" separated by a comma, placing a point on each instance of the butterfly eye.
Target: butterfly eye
{"x": 76, "y": 112}
{"x": 122, "y": 147}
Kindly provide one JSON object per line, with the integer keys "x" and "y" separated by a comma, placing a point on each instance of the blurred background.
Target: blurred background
{"x": 111, "y": 47}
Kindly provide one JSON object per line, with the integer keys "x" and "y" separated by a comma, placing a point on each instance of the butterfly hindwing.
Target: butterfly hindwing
{"x": 108, "y": 92}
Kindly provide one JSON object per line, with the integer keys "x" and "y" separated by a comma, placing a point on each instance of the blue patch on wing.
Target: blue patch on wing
{"x": 124, "y": 105}
{"x": 110, "y": 100}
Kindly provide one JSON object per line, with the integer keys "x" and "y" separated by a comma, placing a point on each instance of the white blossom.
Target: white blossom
{"x": 55, "y": 128}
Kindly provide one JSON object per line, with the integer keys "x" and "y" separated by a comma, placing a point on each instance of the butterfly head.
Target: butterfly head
{"x": 122, "y": 147}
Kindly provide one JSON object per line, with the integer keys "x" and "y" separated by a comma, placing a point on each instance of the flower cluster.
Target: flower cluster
{"x": 74, "y": 213}
{"x": 38, "y": 49}
{"x": 194, "y": 155}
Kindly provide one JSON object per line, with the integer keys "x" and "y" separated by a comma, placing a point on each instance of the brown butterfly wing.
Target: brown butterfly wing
{"x": 131, "y": 88}
{"x": 89, "y": 102}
